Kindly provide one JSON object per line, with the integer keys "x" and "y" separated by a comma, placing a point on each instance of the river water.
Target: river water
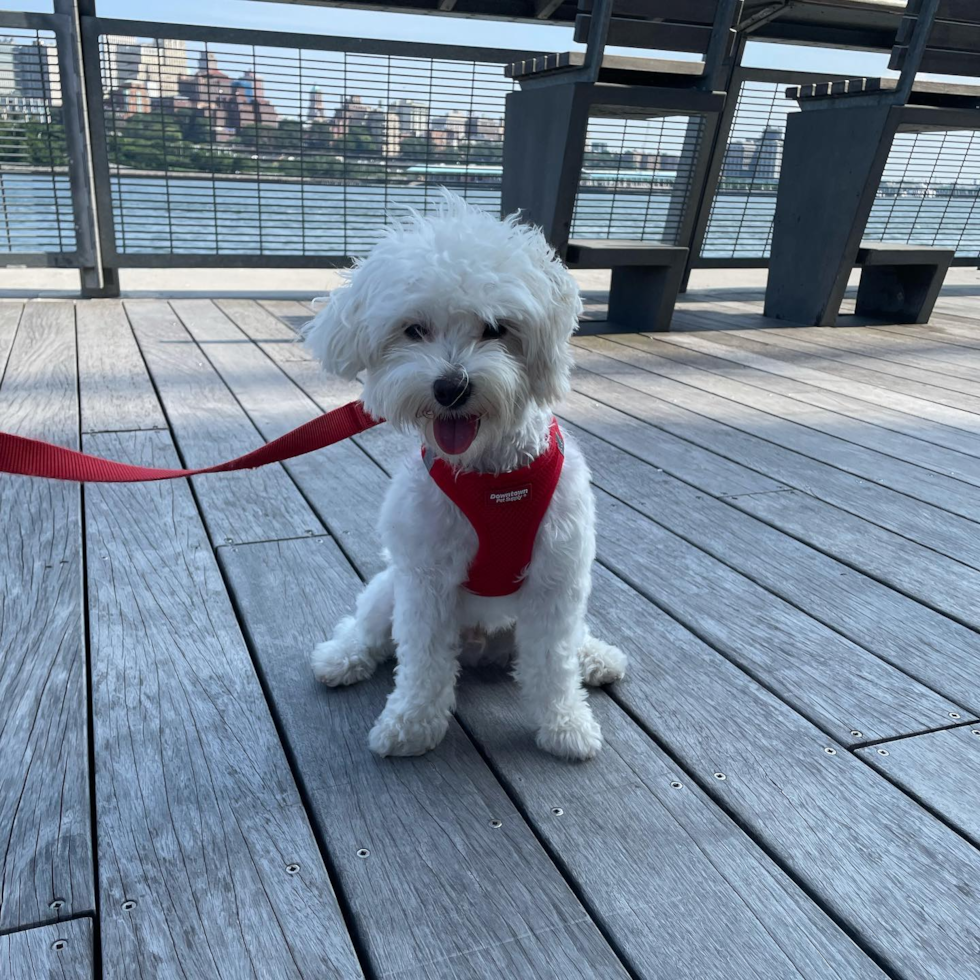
{"x": 193, "y": 215}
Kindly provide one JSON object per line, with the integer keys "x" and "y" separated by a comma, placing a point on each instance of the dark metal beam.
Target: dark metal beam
{"x": 867, "y": 24}
{"x": 543, "y": 9}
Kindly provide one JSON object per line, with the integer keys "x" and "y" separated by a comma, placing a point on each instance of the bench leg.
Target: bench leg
{"x": 900, "y": 293}
{"x": 833, "y": 159}
{"x": 544, "y": 146}
{"x": 642, "y": 297}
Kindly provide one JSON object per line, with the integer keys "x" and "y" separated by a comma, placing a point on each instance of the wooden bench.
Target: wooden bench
{"x": 705, "y": 27}
{"x": 834, "y": 157}
{"x": 900, "y": 283}
{"x": 547, "y": 122}
{"x": 646, "y": 278}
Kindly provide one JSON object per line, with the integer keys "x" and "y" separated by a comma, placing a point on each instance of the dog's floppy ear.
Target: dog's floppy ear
{"x": 547, "y": 352}
{"x": 338, "y": 336}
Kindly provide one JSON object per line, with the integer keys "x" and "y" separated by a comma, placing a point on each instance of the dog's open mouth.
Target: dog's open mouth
{"x": 455, "y": 435}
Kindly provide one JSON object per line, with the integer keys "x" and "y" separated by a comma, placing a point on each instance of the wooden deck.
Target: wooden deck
{"x": 789, "y": 551}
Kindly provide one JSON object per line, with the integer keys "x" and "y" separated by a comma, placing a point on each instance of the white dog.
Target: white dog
{"x": 460, "y": 324}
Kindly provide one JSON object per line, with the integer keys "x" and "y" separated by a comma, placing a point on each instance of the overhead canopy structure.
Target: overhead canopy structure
{"x": 869, "y": 24}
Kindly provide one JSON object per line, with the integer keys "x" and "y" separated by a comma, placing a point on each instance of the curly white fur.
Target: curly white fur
{"x": 447, "y": 278}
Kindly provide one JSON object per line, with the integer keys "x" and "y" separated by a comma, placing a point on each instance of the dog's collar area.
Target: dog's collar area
{"x": 505, "y": 510}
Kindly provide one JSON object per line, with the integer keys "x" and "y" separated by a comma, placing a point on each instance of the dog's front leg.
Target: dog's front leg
{"x": 426, "y": 631}
{"x": 550, "y": 678}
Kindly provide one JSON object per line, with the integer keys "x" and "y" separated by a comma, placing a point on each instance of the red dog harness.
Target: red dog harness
{"x": 506, "y": 511}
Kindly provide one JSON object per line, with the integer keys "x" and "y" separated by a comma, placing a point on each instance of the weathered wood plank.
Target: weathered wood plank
{"x": 941, "y": 769}
{"x": 880, "y": 353}
{"x": 116, "y": 392}
{"x": 340, "y": 482}
{"x": 920, "y": 348}
{"x": 887, "y": 375}
{"x": 926, "y": 645}
{"x": 779, "y": 396}
{"x": 809, "y": 431}
{"x": 61, "y": 951}
{"x": 441, "y": 893}
{"x": 808, "y": 386}
{"x": 805, "y": 369}
{"x": 293, "y": 313}
{"x": 787, "y": 651}
{"x": 209, "y": 425}
{"x": 46, "y": 850}
{"x": 382, "y": 443}
{"x": 662, "y": 850}
{"x": 200, "y": 823}
{"x": 10, "y": 314}
{"x": 942, "y": 583}
{"x": 955, "y": 337}
{"x": 904, "y": 882}
{"x": 719, "y": 426}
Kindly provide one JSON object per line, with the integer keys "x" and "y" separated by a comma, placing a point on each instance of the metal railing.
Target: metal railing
{"x": 226, "y": 147}
{"x": 637, "y": 177}
{"x": 929, "y": 193}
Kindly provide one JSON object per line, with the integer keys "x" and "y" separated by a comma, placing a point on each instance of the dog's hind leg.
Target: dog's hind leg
{"x": 359, "y": 642}
{"x": 601, "y": 662}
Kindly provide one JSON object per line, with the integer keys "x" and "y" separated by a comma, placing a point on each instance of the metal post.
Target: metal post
{"x": 692, "y": 154}
{"x": 96, "y": 279}
{"x": 715, "y": 151}
{"x": 596, "y": 46}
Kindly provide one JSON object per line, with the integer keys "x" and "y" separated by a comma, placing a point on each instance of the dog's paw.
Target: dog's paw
{"x": 571, "y": 732}
{"x": 336, "y": 663}
{"x": 399, "y": 733}
{"x": 601, "y": 662}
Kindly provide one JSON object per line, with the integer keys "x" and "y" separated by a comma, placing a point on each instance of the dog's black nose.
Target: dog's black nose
{"x": 452, "y": 390}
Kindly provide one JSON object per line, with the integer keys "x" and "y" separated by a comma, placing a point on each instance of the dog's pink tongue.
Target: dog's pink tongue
{"x": 455, "y": 436}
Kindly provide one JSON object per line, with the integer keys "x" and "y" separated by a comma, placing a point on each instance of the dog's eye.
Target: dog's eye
{"x": 415, "y": 331}
{"x": 493, "y": 331}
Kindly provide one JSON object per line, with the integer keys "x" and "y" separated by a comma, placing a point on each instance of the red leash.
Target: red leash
{"x": 32, "y": 457}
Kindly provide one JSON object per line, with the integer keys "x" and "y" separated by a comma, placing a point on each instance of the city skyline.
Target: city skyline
{"x": 454, "y": 107}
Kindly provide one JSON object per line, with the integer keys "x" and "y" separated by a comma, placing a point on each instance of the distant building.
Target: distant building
{"x": 770, "y": 154}
{"x": 413, "y": 117}
{"x": 315, "y": 111}
{"x": 737, "y": 164}
{"x": 489, "y": 128}
{"x": 247, "y": 104}
{"x": 158, "y": 64}
{"x": 453, "y": 123}
{"x": 755, "y": 159}
{"x": 130, "y": 98}
{"x": 351, "y": 112}
{"x": 207, "y": 93}
{"x": 442, "y": 139}
{"x": 30, "y": 85}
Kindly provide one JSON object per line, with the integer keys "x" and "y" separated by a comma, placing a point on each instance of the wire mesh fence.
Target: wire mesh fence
{"x": 235, "y": 148}
{"x": 742, "y": 211}
{"x": 219, "y": 147}
{"x": 929, "y": 193}
{"x": 35, "y": 197}
{"x": 636, "y": 178}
